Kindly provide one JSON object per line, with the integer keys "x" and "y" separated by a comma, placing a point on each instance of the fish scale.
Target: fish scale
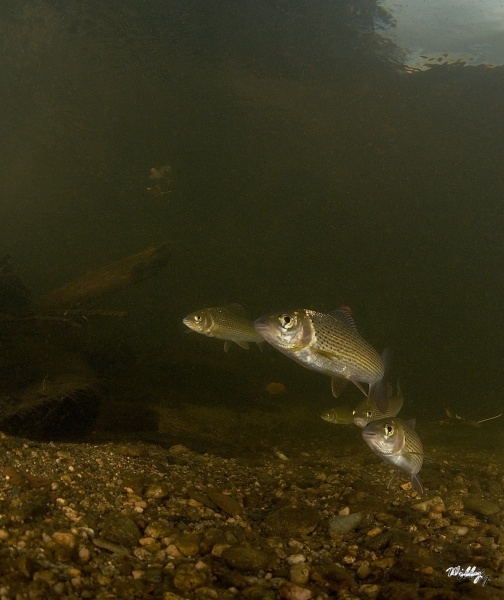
{"x": 334, "y": 337}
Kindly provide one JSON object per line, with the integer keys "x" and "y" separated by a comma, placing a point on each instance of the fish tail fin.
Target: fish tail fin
{"x": 380, "y": 389}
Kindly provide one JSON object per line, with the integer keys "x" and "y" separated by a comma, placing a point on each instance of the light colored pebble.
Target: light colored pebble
{"x": 294, "y": 559}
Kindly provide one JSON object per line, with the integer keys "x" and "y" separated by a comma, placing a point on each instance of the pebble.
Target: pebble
{"x": 67, "y": 540}
{"x": 433, "y": 504}
{"x": 188, "y": 577}
{"x": 341, "y": 524}
{"x": 294, "y": 559}
{"x": 157, "y": 491}
{"x": 291, "y": 591}
{"x": 291, "y": 522}
{"x": 300, "y": 574}
{"x": 226, "y": 503}
{"x": 480, "y": 506}
{"x": 244, "y": 558}
{"x": 120, "y": 529}
{"x": 188, "y": 544}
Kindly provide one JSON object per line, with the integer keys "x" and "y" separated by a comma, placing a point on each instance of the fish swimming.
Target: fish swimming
{"x": 340, "y": 415}
{"x": 229, "y": 323}
{"x": 398, "y": 444}
{"x": 368, "y": 411}
{"x": 328, "y": 343}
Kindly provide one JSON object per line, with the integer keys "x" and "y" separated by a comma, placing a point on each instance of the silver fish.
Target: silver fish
{"x": 229, "y": 323}
{"x": 367, "y": 410}
{"x": 398, "y": 444}
{"x": 341, "y": 415}
{"x": 325, "y": 342}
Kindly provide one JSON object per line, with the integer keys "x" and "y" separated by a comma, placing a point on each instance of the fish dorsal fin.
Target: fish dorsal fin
{"x": 236, "y": 308}
{"x": 411, "y": 423}
{"x": 344, "y": 314}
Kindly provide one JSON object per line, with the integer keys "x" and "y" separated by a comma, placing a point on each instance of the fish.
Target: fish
{"x": 397, "y": 443}
{"x": 229, "y": 323}
{"x": 341, "y": 415}
{"x": 328, "y": 343}
{"x": 368, "y": 411}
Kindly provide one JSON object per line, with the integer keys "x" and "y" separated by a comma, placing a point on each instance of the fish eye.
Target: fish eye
{"x": 286, "y": 321}
{"x": 369, "y": 414}
{"x": 197, "y": 318}
{"x": 388, "y": 430}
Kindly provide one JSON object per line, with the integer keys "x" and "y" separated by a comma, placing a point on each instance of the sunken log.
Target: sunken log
{"x": 106, "y": 279}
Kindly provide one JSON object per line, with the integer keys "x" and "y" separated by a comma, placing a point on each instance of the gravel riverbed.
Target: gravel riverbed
{"x": 146, "y": 520}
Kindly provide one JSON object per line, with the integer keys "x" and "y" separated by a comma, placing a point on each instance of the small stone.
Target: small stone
{"x": 370, "y": 590}
{"x": 433, "y": 504}
{"x": 226, "y": 503}
{"x": 363, "y": 571}
{"x": 120, "y": 529}
{"x": 457, "y": 530}
{"x": 67, "y": 540}
{"x": 383, "y": 563}
{"x": 342, "y": 524}
{"x": 84, "y": 554}
{"x": 480, "y": 506}
{"x": 291, "y": 522}
{"x": 291, "y": 591}
{"x": 244, "y": 558}
{"x": 374, "y": 532}
{"x": 294, "y": 559}
{"x": 137, "y": 574}
{"x": 157, "y": 491}
{"x": 188, "y": 544}
{"x": 188, "y": 577}
{"x": 300, "y": 574}
{"x": 158, "y": 529}
{"x": 469, "y": 521}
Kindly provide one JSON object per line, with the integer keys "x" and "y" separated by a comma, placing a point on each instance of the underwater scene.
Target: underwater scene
{"x": 251, "y": 289}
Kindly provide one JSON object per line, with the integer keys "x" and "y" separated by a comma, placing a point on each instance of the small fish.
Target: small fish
{"x": 453, "y": 417}
{"x": 398, "y": 444}
{"x": 367, "y": 410}
{"x": 325, "y": 342}
{"x": 229, "y": 323}
{"x": 341, "y": 415}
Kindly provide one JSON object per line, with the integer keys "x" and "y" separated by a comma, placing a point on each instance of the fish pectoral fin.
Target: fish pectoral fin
{"x": 227, "y": 345}
{"x": 242, "y": 344}
{"x": 260, "y": 345}
{"x": 416, "y": 484}
{"x": 360, "y": 386}
{"x": 338, "y": 385}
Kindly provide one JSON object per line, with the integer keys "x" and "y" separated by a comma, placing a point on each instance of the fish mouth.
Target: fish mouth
{"x": 369, "y": 435}
{"x": 361, "y": 423}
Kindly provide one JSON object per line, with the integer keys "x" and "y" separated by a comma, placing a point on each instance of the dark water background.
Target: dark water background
{"x": 307, "y": 171}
